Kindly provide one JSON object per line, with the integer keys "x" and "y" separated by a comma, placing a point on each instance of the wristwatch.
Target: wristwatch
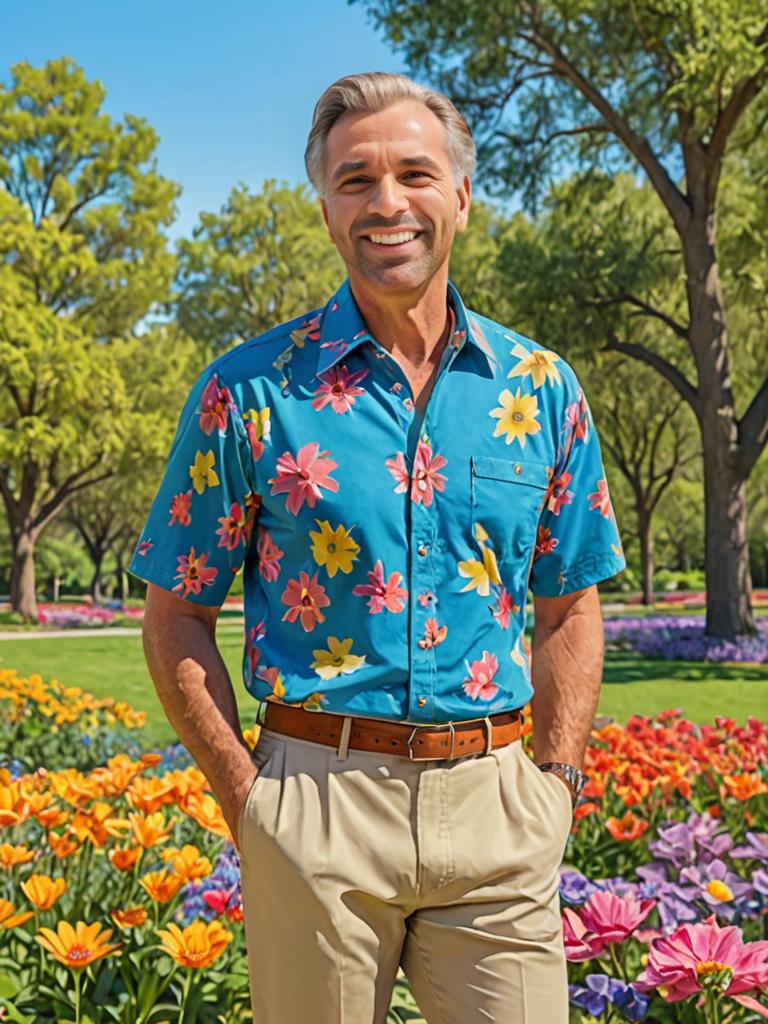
{"x": 573, "y": 776}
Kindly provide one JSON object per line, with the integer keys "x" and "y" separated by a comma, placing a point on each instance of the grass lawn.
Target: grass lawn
{"x": 114, "y": 666}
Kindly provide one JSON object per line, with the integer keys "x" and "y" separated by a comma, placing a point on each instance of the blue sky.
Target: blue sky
{"x": 228, "y": 86}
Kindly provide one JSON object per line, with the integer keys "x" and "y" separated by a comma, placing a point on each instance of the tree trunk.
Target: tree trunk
{"x": 729, "y": 587}
{"x": 97, "y": 591}
{"x": 23, "y": 599}
{"x": 646, "y": 554}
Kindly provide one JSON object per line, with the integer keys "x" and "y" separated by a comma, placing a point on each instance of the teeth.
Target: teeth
{"x": 404, "y": 236}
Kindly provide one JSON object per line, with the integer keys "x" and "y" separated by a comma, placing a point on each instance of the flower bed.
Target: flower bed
{"x": 110, "y": 867}
{"x": 682, "y": 637}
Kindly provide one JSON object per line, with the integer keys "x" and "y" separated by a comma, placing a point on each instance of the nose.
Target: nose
{"x": 388, "y": 198}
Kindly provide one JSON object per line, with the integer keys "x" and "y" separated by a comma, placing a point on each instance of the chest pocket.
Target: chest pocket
{"x": 506, "y": 498}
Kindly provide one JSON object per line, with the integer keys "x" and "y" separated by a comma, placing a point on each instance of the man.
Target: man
{"x": 392, "y": 472}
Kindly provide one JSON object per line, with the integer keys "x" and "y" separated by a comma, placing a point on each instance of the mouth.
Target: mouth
{"x": 393, "y": 242}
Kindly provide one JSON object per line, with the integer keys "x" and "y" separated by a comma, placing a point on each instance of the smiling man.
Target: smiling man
{"x": 393, "y": 474}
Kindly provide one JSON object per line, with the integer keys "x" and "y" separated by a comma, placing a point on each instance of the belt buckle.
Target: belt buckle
{"x": 415, "y": 757}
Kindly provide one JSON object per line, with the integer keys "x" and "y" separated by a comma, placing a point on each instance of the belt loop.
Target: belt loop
{"x": 344, "y": 742}
{"x": 489, "y": 740}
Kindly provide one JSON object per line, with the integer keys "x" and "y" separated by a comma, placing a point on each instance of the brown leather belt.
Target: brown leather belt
{"x": 418, "y": 743}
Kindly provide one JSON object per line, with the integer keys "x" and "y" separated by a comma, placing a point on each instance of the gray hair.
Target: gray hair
{"x": 374, "y": 91}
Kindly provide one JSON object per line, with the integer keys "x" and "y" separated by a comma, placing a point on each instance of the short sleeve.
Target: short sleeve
{"x": 201, "y": 520}
{"x": 577, "y": 541}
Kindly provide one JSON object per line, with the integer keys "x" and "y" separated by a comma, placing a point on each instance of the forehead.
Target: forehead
{"x": 405, "y": 129}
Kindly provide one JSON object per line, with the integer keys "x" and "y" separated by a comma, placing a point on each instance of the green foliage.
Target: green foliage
{"x": 261, "y": 260}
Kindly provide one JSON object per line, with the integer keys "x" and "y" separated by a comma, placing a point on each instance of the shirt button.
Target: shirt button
{"x": 421, "y": 550}
{"x": 518, "y": 468}
{"x": 422, "y": 701}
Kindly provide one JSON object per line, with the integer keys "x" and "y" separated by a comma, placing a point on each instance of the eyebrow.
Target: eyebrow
{"x": 410, "y": 161}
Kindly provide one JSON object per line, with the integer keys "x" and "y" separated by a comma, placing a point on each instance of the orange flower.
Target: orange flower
{"x": 626, "y": 828}
{"x": 8, "y": 919}
{"x": 14, "y": 807}
{"x": 62, "y": 846}
{"x": 205, "y": 810}
{"x": 744, "y": 786}
{"x": 76, "y": 947}
{"x": 124, "y": 860}
{"x": 97, "y": 824}
{"x": 43, "y": 891}
{"x": 149, "y": 795}
{"x": 187, "y": 862}
{"x": 10, "y": 856}
{"x": 198, "y": 945}
{"x": 161, "y": 886}
{"x": 150, "y": 759}
{"x": 130, "y": 918}
{"x": 582, "y": 810}
{"x": 150, "y": 830}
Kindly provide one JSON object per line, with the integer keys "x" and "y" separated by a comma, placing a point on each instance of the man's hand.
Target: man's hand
{"x": 232, "y": 809}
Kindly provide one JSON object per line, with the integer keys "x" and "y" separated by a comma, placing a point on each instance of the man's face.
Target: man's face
{"x": 392, "y": 205}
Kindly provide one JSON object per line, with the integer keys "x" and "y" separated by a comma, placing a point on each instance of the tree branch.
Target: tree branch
{"x": 753, "y": 428}
{"x": 671, "y": 373}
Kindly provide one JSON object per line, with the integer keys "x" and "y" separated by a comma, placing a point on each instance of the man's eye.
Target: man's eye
{"x": 354, "y": 181}
{"x": 419, "y": 174}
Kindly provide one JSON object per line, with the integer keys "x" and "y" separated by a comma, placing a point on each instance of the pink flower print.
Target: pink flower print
{"x": 381, "y": 594}
{"x": 180, "y": 508}
{"x": 339, "y": 390}
{"x": 252, "y": 506}
{"x": 433, "y": 634}
{"x": 144, "y": 547}
{"x": 480, "y": 683}
{"x": 601, "y": 499}
{"x": 303, "y": 476}
{"x": 576, "y": 416}
{"x": 313, "y": 327}
{"x": 215, "y": 404}
{"x": 426, "y": 478}
{"x": 505, "y": 606}
{"x": 253, "y": 651}
{"x": 269, "y": 556}
{"x": 257, "y": 445}
{"x": 305, "y": 598}
{"x": 232, "y": 528}
{"x": 193, "y": 574}
{"x": 545, "y": 542}
{"x": 557, "y": 493}
{"x": 399, "y": 471}
{"x": 425, "y": 597}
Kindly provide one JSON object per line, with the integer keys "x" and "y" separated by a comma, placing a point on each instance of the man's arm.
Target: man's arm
{"x": 196, "y": 692}
{"x": 567, "y": 671}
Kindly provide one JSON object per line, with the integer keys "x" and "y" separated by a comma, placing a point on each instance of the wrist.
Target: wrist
{"x": 573, "y": 777}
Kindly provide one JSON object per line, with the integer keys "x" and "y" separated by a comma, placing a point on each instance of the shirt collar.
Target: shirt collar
{"x": 343, "y": 329}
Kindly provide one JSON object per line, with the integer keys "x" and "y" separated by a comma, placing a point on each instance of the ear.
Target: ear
{"x": 464, "y": 195}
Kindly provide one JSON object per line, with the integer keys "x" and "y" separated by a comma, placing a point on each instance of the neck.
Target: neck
{"x": 411, "y": 324}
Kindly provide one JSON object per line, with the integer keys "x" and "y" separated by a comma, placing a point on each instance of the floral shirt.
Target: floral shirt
{"x": 378, "y": 583}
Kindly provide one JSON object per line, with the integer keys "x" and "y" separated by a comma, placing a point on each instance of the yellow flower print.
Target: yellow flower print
{"x": 202, "y": 472}
{"x": 517, "y": 416}
{"x": 335, "y": 549}
{"x": 540, "y": 364}
{"x": 314, "y": 702}
{"x": 481, "y": 574}
{"x": 336, "y": 660}
{"x": 261, "y": 422}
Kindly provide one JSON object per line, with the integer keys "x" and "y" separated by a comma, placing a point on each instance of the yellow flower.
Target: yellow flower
{"x": 198, "y": 945}
{"x": 10, "y": 855}
{"x": 334, "y": 549}
{"x": 43, "y": 891}
{"x": 187, "y": 862}
{"x": 540, "y": 364}
{"x": 202, "y": 472}
{"x": 9, "y": 919}
{"x": 517, "y": 416}
{"x": 76, "y": 947}
{"x": 261, "y": 422}
{"x": 336, "y": 660}
{"x": 161, "y": 886}
{"x": 481, "y": 574}
{"x": 130, "y": 918}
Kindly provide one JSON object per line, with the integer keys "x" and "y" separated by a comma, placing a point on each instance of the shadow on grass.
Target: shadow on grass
{"x": 627, "y": 667}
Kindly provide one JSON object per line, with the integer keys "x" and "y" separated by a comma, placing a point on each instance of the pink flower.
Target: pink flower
{"x": 425, "y": 597}
{"x": 698, "y": 956}
{"x": 339, "y": 389}
{"x": 303, "y": 476}
{"x": 600, "y": 499}
{"x": 180, "y": 506}
{"x": 480, "y": 683}
{"x": 193, "y": 573}
{"x": 557, "y": 493}
{"x": 434, "y": 634}
{"x": 604, "y": 919}
{"x": 233, "y": 527}
{"x": 576, "y": 416}
{"x": 505, "y": 605}
{"x": 382, "y": 594}
{"x": 144, "y": 547}
{"x": 426, "y": 478}
{"x": 545, "y": 542}
{"x": 306, "y": 597}
{"x": 269, "y": 556}
{"x": 215, "y": 403}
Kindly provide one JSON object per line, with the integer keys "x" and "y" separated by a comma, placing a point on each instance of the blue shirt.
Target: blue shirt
{"x": 379, "y": 582}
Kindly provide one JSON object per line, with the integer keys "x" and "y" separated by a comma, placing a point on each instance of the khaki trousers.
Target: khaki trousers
{"x": 356, "y": 863}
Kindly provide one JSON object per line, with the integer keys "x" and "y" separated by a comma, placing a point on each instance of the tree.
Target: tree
{"x": 675, "y": 88}
{"x": 82, "y": 260}
{"x": 261, "y": 260}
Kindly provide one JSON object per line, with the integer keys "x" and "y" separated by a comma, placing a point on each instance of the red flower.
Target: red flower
{"x": 269, "y": 556}
{"x": 232, "y": 528}
{"x": 339, "y": 390}
{"x": 180, "y": 508}
{"x": 306, "y": 597}
{"x": 215, "y": 404}
{"x": 433, "y": 634}
{"x": 193, "y": 573}
{"x": 382, "y": 594}
{"x": 600, "y": 499}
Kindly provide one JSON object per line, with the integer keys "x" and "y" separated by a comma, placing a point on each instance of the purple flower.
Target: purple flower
{"x": 720, "y": 889}
{"x": 223, "y": 880}
{"x": 575, "y": 888}
{"x": 756, "y": 847}
{"x": 701, "y": 838}
{"x": 600, "y": 991}
{"x": 683, "y": 637}
{"x": 760, "y": 881}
